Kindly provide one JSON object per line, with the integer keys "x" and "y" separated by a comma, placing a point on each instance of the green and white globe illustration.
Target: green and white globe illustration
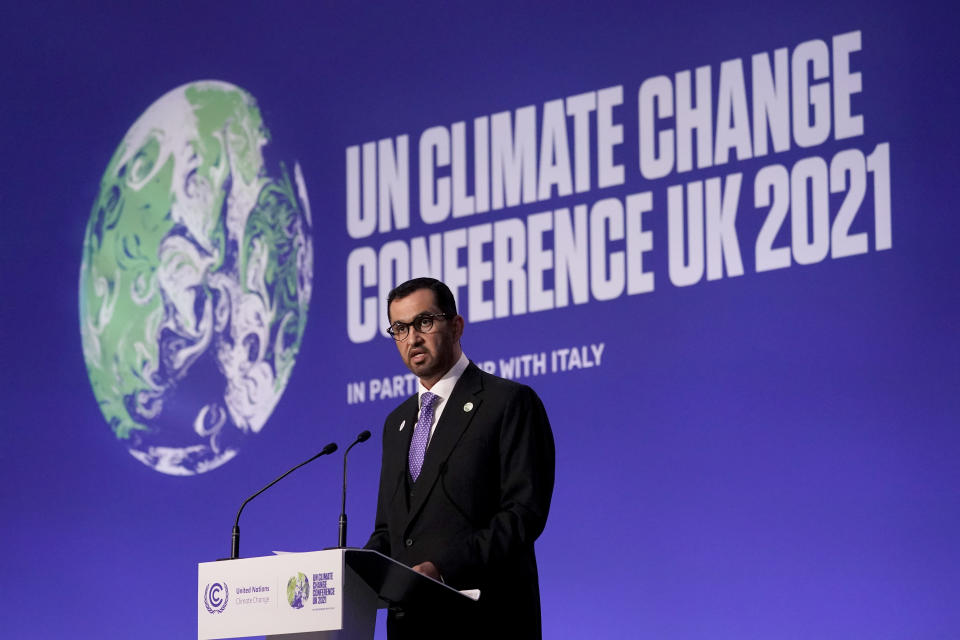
{"x": 195, "y": 280}
{"x": 298, "y": 591}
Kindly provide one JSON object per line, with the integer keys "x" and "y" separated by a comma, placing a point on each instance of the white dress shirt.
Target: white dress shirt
{"x": 442, "y": 389}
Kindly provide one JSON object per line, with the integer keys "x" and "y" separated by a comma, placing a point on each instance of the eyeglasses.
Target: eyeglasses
{"x": 423, "y": 323}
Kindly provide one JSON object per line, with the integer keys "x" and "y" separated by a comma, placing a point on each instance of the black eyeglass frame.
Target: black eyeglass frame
{"x": 398, "y": 327}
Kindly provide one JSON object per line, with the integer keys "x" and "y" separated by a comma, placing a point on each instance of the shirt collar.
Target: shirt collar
{"x": 444, "y": 386}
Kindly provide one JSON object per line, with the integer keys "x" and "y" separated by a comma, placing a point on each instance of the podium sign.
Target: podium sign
{"x": 283, "y": 594}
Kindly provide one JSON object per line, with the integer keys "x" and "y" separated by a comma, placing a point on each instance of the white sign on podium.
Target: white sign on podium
{"x": 312, "y": 593}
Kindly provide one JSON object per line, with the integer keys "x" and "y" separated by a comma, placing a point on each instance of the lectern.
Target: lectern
{"x": 311, "y": 596}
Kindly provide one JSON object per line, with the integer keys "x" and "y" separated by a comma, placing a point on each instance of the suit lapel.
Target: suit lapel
{"x": 452, "y": 424}
{"x": 409, "y": 422}
{"x": 401, "y": 437}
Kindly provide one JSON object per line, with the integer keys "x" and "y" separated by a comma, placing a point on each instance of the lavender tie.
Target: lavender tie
{"x": 421, "y": 434}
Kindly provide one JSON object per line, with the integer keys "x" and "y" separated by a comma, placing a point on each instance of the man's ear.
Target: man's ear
{"x": 458, "y": 326}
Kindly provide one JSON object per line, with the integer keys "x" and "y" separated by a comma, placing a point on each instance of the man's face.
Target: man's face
{"x": 429, "y": 355}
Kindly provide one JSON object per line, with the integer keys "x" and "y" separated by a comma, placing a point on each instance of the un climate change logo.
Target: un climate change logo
{"x": 195, "y": 280}
{"x": 298, "y": 590}
{"x": 215, "y": 597}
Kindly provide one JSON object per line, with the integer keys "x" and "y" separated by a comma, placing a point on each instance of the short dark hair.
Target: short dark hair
{"x": 441, "y": 293}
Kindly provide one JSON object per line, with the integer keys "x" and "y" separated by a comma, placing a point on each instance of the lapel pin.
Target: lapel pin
{"x": 467, "y": 408}
{"x": 403, "y": 424}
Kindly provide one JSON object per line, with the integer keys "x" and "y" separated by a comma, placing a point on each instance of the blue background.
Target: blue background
{"x": 768, "y": 456}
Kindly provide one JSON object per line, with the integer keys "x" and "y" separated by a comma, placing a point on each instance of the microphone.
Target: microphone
{"x": 342, "y": 538}
{"x": 235, "y": 536}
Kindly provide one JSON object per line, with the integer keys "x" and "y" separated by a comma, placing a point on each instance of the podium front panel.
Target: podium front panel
{"x": 288, "y": 593}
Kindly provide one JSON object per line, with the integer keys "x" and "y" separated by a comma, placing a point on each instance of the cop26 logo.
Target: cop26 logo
{"x": 298, "y": 590}
{"x": 215, "y": 597}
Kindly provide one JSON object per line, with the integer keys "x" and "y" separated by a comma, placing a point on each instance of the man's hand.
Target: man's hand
{"x": 428, "y": 569}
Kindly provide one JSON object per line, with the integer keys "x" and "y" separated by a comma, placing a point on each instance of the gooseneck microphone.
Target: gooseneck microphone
{"x": 342, "y": 538}
{"x": 235, "y": 537}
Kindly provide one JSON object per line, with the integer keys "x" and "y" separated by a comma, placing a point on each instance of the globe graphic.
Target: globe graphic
{"x": 195, "y": 280}
{"x": 298, "y": 591}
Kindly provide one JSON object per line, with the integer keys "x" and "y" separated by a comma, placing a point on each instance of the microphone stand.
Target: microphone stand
{"x": 235, "y": 536}
{"x": 342, "y": 529}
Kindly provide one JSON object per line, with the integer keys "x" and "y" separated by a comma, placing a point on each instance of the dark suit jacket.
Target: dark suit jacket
{"x": 480, "y": 502}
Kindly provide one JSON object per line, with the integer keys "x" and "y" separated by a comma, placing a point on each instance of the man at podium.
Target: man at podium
{"x": 466, "y": 477}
